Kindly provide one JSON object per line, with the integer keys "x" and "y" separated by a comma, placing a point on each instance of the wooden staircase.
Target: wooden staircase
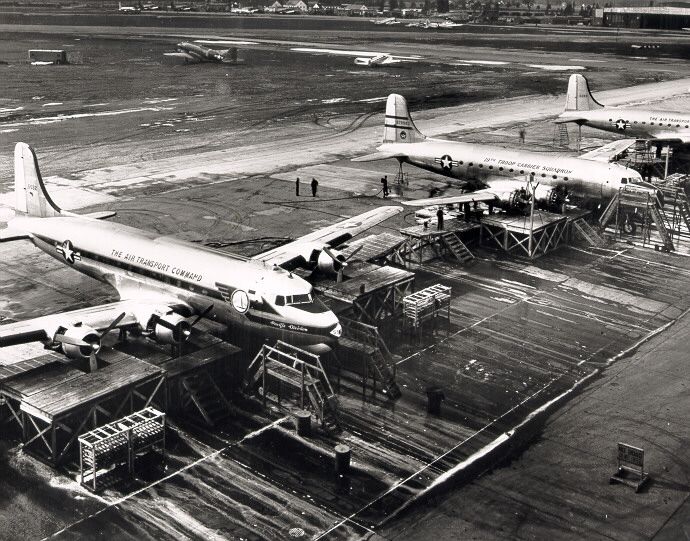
{"x": 456, "y": 247}
{"x": 662, "y": 227}
{"x": 284, "y": 364}
{"x": 208, "y": 400}
{"x": 587, "y": 233}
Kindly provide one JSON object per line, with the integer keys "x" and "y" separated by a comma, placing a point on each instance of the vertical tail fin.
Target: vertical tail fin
{"x": 32, "y": 197}
{"x": 579, "y": 97}
{"x": 399, "y": 127}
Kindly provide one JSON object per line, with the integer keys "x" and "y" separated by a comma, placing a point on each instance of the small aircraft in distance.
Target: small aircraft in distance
{"x": 386, "y": 21}
{"x": 501, "y": 176}
{"x": 127, "y": 9}
{"x": 194, "y": 53}
{"x": 378, "y": 60}
{"x": 166, "y": 285}
{"x": 582, "y": 109}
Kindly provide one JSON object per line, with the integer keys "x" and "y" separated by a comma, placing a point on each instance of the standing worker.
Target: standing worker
{"x": 384, "y": 181}
{"x": 439, "y": 218}
{"x": 297, "y": 187}
{"x": 314, "y": 186}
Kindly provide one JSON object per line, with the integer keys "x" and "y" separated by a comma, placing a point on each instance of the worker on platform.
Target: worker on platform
{"x": 439, "y": 218}
{"x": 314, "y": 186}
{"x": 297, "y": 187}
{"x": 384, "y": 182}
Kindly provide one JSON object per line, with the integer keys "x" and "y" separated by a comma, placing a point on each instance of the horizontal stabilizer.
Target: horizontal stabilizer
{"x": 471, "y": 197}
{"x": 378, "y": 156}
{"x": 7, "y": 235}
{"x": 100, "y": 215}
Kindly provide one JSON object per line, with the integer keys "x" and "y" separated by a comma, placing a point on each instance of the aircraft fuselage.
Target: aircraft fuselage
{"x": 584, "y": 179}
{"x": 249, "y": 297}
{"x": 636, "y": 123}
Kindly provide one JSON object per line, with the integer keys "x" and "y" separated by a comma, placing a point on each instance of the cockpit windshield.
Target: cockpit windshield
{"x": 624, "y": 181}
{"x": 292, "y": 300}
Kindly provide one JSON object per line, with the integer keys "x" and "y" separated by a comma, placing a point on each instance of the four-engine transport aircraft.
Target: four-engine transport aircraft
{"x": 166, "y": 285}
{"x": 499, "y": 176}
{"x": 582, "y": 109}
{"x": 194, "y": 53}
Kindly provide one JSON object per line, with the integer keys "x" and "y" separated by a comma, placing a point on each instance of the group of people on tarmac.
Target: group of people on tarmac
{"x": 314, "y": 186}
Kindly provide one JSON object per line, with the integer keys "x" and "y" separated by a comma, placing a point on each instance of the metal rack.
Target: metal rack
{"x": 104, "y": 451}
{"x": 426, "y": 304}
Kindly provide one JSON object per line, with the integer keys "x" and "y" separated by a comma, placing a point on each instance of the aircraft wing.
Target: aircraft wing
{"x": 378, "y": 156}
{"x": 184, "y": 56}
{"x": 609, "y": 152}
{"x": 486, "y": 194}
{"x": 330, "y": 236}
{"x": 684, "y": 138}
{"x": 45, "y": 327}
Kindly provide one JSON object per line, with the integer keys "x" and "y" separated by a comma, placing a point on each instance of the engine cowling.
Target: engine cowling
{"x": 170, "y": 328}
{"x": 550, "y": 198}
{"x": 515, "y": 200}
{"x": 80, "y": 333}
{"x": 330, "y": 265}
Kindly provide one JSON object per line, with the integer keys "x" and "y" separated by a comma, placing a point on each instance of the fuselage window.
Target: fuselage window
{"x": 511, "y": 169}
{"x": 610, "y": 120}
{"x": 565, "y": 178}
{"x": 470, "y": 164}
{"x": 555, "y": 176}
{"x": 461, "y": 162}
{"x": 635, "y": 122}
{"x": 480, "y": 166}
{"x": 522, "y": 171}
{"x": 644, "y": 122}
{"x": 491, "y": 167}
{"x": 500, "y": 168}
{"x": 651, "y": 123}
{"x": 677, "y": 125}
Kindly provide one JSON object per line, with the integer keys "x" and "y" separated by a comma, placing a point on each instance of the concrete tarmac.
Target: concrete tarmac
{"x": 558, "y": 488}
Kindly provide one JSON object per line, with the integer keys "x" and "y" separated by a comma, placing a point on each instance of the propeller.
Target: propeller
{"x": 201, "y": 315}
{"x": 340, "y": 263}
{"x": 93, "y": 345}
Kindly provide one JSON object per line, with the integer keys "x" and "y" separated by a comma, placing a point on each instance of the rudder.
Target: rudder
{"x": 398, "y": 127}
{"x": 32, "y": 198}
{"x": 579, "y": 97}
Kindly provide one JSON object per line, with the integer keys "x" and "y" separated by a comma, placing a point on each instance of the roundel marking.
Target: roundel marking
{"x": 403, "y": 135}
{"x": 240, "y": 301}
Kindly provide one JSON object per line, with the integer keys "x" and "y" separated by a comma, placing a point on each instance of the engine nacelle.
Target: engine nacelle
{"x": 80, "y": 333}
{"x": 515, "y": 200}
{"x": 327, "y": 265}
{"x": 170, "y": 328}
{"x": 550, "y": 198}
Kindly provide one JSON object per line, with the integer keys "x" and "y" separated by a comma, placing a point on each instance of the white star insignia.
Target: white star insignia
{"x": 446, "y": 162}
{"x": 621, "y": 125}
{"x": 67, "y": 252}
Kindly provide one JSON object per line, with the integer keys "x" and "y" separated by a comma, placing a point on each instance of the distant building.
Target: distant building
{"x": 288, "y": 5}
{"x": 665, "y": 18}
{"x": 355, "y": 9}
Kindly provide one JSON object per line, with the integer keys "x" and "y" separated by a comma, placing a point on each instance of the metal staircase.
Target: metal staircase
{"x": 561, "y": 138}
{"x": 208, "y": 400}
{"x": 662, "y": 227}
{"x": 456, "y": 247}
{"x": 588, "y": 233}
{"x": 286, "y": 365}
{"x": 364, "y": 342}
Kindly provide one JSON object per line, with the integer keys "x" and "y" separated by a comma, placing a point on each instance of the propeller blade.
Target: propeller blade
{"x": 354, "y": 252}
{"x": 71, "y": 341}
{"x": 160, "y": 321}
{"x": 113, "y": 324}
{"x": 330, "y": 254}
{"x": 201, "y": 315}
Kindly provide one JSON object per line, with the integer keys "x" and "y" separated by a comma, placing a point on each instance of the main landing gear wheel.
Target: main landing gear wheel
{"x": 628, "y": 225}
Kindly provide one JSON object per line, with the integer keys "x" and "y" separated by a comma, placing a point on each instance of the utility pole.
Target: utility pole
{"x": 532, "y": 189}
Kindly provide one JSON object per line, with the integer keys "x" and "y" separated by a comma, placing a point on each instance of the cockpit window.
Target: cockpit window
{"x": 292, "y": 300}
{"x": 624, "y": 181}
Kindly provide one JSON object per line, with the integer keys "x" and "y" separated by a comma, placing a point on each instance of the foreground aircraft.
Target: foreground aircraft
{"x": 191, "y": 52}
{"x": 166, "y": 285}
{"x": 582, "y": 109}
{"x": 499, "y": 176}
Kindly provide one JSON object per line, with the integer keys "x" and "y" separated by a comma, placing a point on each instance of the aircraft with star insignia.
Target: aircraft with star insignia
{"x": 582, "y": 109}
{"x": 500, "y": 176}
{"x": 166, "y": 286}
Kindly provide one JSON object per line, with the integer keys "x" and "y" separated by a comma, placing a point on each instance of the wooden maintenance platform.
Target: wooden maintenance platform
{"x": 55, "y": 402}
{"x": 424, "y": 244}
{"x": 370, "y": 294}
{"x": 511, "y": 233}
{"x": 376, "y": 248}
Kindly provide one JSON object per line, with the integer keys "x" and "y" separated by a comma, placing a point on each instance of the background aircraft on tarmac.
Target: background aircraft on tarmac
{"x": 194, "y": 53}
{"x": 500, "y": 176}
{"x": 582, "y": 109}
{"x": 166, "y": 285}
